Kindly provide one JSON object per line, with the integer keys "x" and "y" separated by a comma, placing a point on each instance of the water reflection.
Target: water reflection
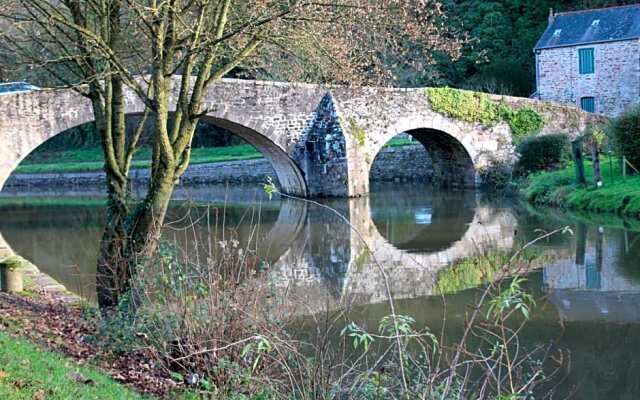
{"x": 587, "y": 296}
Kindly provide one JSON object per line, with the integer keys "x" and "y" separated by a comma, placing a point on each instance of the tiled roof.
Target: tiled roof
{"x": 592, "y": 26}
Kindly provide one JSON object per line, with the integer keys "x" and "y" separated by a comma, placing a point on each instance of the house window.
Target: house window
{"x": 587, "y": 61}
{"x": 588, "y": 104}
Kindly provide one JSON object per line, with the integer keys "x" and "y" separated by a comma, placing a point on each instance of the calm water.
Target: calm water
{"x": 588, "y": 297}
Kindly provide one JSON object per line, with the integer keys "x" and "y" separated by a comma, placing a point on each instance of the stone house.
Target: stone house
{"x": 591, "y": 58}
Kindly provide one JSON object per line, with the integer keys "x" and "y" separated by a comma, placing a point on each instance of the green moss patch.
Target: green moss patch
{"x": 357, "y": 132}
{"x": 478, "y": 107}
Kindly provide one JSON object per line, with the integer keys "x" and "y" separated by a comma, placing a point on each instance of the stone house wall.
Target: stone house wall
{"x": 615, "y": 84}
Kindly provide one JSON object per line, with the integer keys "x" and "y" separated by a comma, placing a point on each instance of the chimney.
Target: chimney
{"x": 551, "y": 16}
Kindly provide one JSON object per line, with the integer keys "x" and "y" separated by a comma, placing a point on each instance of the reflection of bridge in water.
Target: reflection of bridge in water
{"x": 309, "y": 248}
{"x": 314, "y": 255}
{"x": 333, "y": 261}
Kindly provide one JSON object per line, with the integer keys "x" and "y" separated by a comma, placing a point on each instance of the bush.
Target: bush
{"x": 497, "y": 177}
{"x": 545, "y": 152}
{"x": 523, "y": 122}
{"x": 625, "y": 135}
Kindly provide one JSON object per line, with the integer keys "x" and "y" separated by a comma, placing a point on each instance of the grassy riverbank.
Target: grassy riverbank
{"x": 26, "y": 372}
{"x": 91, "y": 159}
{"x": 620, "y": 195}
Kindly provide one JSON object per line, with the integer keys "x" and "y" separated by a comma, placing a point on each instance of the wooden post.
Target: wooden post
{"x": 595, "y": 159}
{"x": 581, "y": 243}
{"x": 624, "y": 166}
{"x": 576, "y": 147}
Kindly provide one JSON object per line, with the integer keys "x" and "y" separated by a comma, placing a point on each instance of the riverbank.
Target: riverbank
{"x": 29, "y": 372}
{"x": 619, "y": 195}
{"x": 49, "y": 350}
{"x": 401, "y": 161}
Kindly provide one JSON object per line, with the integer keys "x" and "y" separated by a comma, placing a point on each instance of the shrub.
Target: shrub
{"x": 625, "y": 135}
{"x": 497, "y": 177}
{"x": 523, "y": 122}
{"x": 545, "y": 152}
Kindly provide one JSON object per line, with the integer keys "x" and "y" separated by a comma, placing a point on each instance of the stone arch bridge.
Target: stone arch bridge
{"x": 321, "y": 140}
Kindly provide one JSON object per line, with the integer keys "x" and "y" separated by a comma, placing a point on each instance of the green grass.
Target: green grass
{"x": 27, "y": 372}
{"x": 19, "y": 201}
{"x": 91, "y": 159}
{"x": 619, "y": 194}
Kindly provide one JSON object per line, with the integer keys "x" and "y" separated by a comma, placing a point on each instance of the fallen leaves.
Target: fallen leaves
{"x": 56, "y": 326}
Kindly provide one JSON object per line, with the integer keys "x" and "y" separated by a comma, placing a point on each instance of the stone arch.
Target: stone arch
{"x": 289, "y": 175}
{"x": 33, "y": 118}
{"x": 453, "y": 157}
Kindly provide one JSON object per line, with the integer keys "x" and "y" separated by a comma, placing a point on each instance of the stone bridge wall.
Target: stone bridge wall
{"x": 320, "y": 140}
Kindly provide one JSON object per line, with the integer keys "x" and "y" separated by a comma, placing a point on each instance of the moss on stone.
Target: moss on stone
{"x": 478, "y": 107}
{"x": 12, "y": 263}
{"x": 357, "y": 132}
{"x": 363, "y": 258}
{"x": 524, "y": 122}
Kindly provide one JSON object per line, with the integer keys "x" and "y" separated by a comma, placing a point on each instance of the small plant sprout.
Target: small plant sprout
{"x": 403, "y": 325}
{"x": 270, "y": 187}
{"x": 513, "y": 297}
{"x": 260, "y": 347}
{"x": 359, "y": 335}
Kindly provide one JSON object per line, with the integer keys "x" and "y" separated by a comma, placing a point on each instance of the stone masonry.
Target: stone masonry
{"x": 614, "y": 85}
{"x": 320, "y": 140}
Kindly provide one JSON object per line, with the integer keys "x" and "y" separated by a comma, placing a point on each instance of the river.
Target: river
{"x": 587, "y": 296}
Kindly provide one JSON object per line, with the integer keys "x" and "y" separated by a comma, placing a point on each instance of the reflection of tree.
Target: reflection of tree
{"x": 629, "y": 261}
{"x": 63, "y": 240}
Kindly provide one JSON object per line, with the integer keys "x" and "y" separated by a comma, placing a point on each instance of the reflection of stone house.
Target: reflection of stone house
{"x": 591, "y": 59}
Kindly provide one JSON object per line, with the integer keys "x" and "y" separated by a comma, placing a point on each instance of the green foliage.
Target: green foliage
{"x": 498, "y": 56}
{"x": 470, "y": 272}
{"x": 523, "y": 122}
{"x": 479, "y": 107}
{"x": 497, "y": 177}
{"x": 475, "y": 271}
{"x": 513, "y": 297}
{"x": 13, "y": 263}
{"x": 29, "y": 373}
{"x": 359, "y": 337}
{"x": 544, "y": 152}
{"x": 625, "y": 135}
{"x": 270, "y": 187}
{"x": 465, "y": 105}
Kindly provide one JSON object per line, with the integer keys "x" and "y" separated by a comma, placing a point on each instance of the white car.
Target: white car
{"x": 16, "y": 87}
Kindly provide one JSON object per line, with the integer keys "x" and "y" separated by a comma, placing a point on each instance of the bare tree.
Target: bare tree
{"x": 102, "y": 47}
